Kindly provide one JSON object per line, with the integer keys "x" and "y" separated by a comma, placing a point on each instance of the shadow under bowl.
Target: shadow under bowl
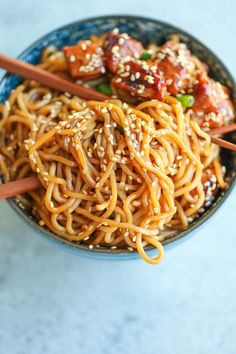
{"x": 148, "y": 31}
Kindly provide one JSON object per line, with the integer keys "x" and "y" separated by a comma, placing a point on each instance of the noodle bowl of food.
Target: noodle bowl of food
{"x": 122, "y": 177}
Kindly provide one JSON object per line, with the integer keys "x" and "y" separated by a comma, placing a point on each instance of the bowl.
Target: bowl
{"x": 147, "y": 30}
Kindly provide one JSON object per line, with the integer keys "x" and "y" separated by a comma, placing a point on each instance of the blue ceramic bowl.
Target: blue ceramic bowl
{"x": 146, "y": 30}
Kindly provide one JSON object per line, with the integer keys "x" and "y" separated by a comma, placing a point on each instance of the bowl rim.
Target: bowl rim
{"x": 123, "y": 254}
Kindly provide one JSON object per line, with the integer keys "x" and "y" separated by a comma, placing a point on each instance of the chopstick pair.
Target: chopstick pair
{"x": 48, "y": 79}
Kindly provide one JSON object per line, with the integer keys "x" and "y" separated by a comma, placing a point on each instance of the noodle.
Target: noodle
{"x": 113, "y": 175}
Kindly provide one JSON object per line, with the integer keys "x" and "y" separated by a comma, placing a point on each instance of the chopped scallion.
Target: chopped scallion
{"x": 186, "y": 100}
{"x": 104, "y": 88}
{"x": 146, "y": 56}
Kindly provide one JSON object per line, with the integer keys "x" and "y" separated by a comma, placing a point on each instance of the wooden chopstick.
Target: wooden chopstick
{"x": 19, "y": 186}
{"x": 48, "y": 79}
{"x": 222, "y": 130}
{"x": 223, "y": 143}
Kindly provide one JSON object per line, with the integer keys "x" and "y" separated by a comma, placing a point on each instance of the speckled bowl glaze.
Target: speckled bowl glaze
{"x": 146, "y": 30}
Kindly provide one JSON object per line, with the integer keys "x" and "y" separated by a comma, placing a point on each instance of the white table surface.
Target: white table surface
{"x": 55, "y": 302}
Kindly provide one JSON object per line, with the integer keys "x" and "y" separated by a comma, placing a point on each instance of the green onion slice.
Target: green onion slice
{"x": 186, "y": 100}
{"x": 104, "y": 88}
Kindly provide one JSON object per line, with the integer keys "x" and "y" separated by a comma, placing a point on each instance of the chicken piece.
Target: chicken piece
{"x": 85, "y": 60}
{"x": 120, "y": 48}
{"x": 175, "y": 61}
{"x": 140, "y": 79}
{"x": 212, "y": 106}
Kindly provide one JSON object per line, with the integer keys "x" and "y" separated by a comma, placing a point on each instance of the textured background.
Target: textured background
{"x": 55, "y": 302}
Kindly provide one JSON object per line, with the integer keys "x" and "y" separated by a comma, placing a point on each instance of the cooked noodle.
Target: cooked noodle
{"x": 112, "y": 175}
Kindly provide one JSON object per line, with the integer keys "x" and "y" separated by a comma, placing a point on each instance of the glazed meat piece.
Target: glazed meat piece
{"x": 120, "y": 48}
{"x": 85, "y": 60}
{"x": 175, "y": 61}
{"x": 212, "y": 107}
{"x": 140, "y": 79}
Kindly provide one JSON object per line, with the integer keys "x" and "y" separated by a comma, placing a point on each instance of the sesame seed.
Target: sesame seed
{"x": 121, "y": 41}
{"x": 125, "y": 36}
{"x": 132, "y": 77}
{"x": 115, "y": 49}
{"x": 83, "y": 46}
{"x": 154, "y": 184}
{"x": 115, "y": 159}
{"x": 72, "y": 58}
{"x": 110, "y": 139}
{"x": 7, "y": 105}
{"x": 115, "y": 30}
{"x": 140, "y": 91}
